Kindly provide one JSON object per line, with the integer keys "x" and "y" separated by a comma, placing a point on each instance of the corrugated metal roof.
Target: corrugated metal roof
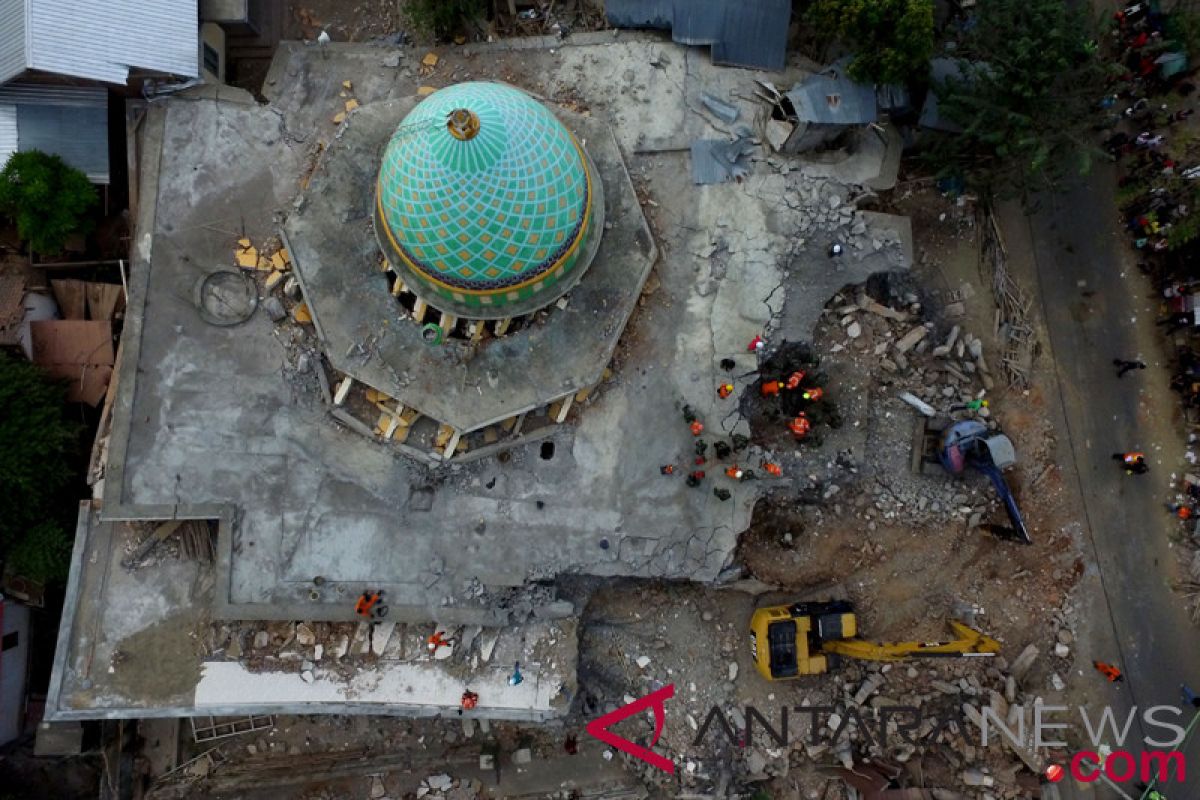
{"x": 103, "y": 41}
{"x": 744, "y": 34}
{"x": 8, "y": 132}
{"x": 12, "y": 39}
{"x": 832, "y": 97}
{"x": 37, "y": 94}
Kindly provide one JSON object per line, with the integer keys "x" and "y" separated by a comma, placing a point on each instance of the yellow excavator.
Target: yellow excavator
{"x": 806, "y": 638}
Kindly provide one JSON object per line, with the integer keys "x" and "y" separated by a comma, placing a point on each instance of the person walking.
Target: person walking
{"x": 1189, "y": 697}
{"x": 724, "y": 390}
{"x": 1113, "y": 674}
{"x": 1124, "y": 366}
{"x": 516, "y": 677}
{"x": 667, "y": 469}
{"x": 1134, "y": 463}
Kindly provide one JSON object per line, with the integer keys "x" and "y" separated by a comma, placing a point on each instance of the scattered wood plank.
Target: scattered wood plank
{"x": 71, "y": 296}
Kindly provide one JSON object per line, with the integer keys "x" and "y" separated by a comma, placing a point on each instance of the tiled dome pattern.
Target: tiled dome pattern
{"x": 487, "y": 219}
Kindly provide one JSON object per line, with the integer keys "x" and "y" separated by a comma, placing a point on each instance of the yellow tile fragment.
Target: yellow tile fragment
{"x": 273, "y": 279}
{"x": 301, "y": 313}
{"x": 264, "y": 263}
{"x": 243, "y": 243}
{"x": 347, "y": 85}
{"x": 376, "y": 396}
{"x": 430, "y": 59}
{"x": 460, "y": 40}
{"x": 339, "y": 118}
{"x": 425, "y": 91}
{"x": 351, "y": 104}
{"x": 279, "y": 261}
{"x": 247, "y": 258}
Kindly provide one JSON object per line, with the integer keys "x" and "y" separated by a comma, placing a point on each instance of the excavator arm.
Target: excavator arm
{"x": 970, "y": 643}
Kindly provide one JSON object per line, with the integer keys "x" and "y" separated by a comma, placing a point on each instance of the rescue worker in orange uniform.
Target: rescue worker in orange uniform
{"x": 667, "y": 469}
{"x": 369, "y": 605}
{"x": 1134, "y": 463}
{"x": 771, "y": 388}
{"x": 734, "y": 472}
{"x": 772, "y": 469}
{"x": 696, "y": 427}
{"x": 814, "y": 394}
{"x": 1108, "y": 671}
{"x": 469, "y": 699}
{"x": 724, "y": 390}
{"x": 438, "y": 639}
{"x": 793, "y": 381}
{"x": 800, "y": 426}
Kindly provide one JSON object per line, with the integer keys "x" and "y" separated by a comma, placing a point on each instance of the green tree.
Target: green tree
{"x": 892, "y": 39}
{"x": 442, "y": 18}
{"x": 47, "y": 198}
{"x": 36, "y": 445}
{"x": 1026, "y": 97}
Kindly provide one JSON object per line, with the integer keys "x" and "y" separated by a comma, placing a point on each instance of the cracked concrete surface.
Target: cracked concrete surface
{"x": 210, "y": 415}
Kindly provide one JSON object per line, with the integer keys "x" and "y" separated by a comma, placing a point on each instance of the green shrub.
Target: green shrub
{"x": 442, "y": 18}
{"x": 36, "y": 446}
{"x": 47, "y": 198}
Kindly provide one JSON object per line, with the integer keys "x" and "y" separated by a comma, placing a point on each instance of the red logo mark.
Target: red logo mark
{"x": 599, "y": 728}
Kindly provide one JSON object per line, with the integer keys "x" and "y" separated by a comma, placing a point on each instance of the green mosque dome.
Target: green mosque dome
{"x": 486, "y": 205}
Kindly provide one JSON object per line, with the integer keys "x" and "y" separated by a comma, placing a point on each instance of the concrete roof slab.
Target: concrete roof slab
{"x": 367, "y": 335}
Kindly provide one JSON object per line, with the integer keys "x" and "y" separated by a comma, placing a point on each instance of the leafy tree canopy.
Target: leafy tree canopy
{"x": 1027, "y": 98}
{"x": 36, "y": 443}
{"x": 892, "y": 39}
{"x": 443, "y": 18}
{"x": 47, "y": 198}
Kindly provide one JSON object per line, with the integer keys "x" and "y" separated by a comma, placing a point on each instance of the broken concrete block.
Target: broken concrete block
{"x": 440, "y": 782}
{"x": 643, "y": 661}
{"x": 854, "y": 330}
{"x": 733, "y": 670}
{"x": 522, "y": 756}
{"x": 487, "y": 761}
{"x": 381, "y": 634}
{"x": 261, "y": 640}
{"x": 1021, "y": 666}
{"x": 305, "y": 635}
{"x": 376, "y": 791}
{"x": 910, "y": 339}
{"x": 430, "y": 60}
{"x": 274, "y": 309}
{"x": 975, "y": 777}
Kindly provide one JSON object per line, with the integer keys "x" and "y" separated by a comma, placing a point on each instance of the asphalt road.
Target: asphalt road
{"x": 1098, "y": 307}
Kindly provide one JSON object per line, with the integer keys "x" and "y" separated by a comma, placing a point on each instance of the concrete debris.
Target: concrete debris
{"x": 723, "y": 111}
{"x": 522, "y": 756}
{"x": 910, "y": 339}
{"x": 716, "y": 161}
{"x": 918, "y": 404}
{"x": 1021, "y": 666}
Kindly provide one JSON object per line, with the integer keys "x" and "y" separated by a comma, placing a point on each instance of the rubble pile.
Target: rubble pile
{"x": 341, "y": 650}
{"x": 716, "y": 686}
{"x": 898, "y": 354}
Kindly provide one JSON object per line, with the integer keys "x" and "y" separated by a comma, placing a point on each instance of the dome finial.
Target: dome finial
{"x": 463, "y": 124}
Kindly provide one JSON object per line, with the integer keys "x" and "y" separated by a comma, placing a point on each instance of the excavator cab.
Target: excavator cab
{"x": 787, "y": 641}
